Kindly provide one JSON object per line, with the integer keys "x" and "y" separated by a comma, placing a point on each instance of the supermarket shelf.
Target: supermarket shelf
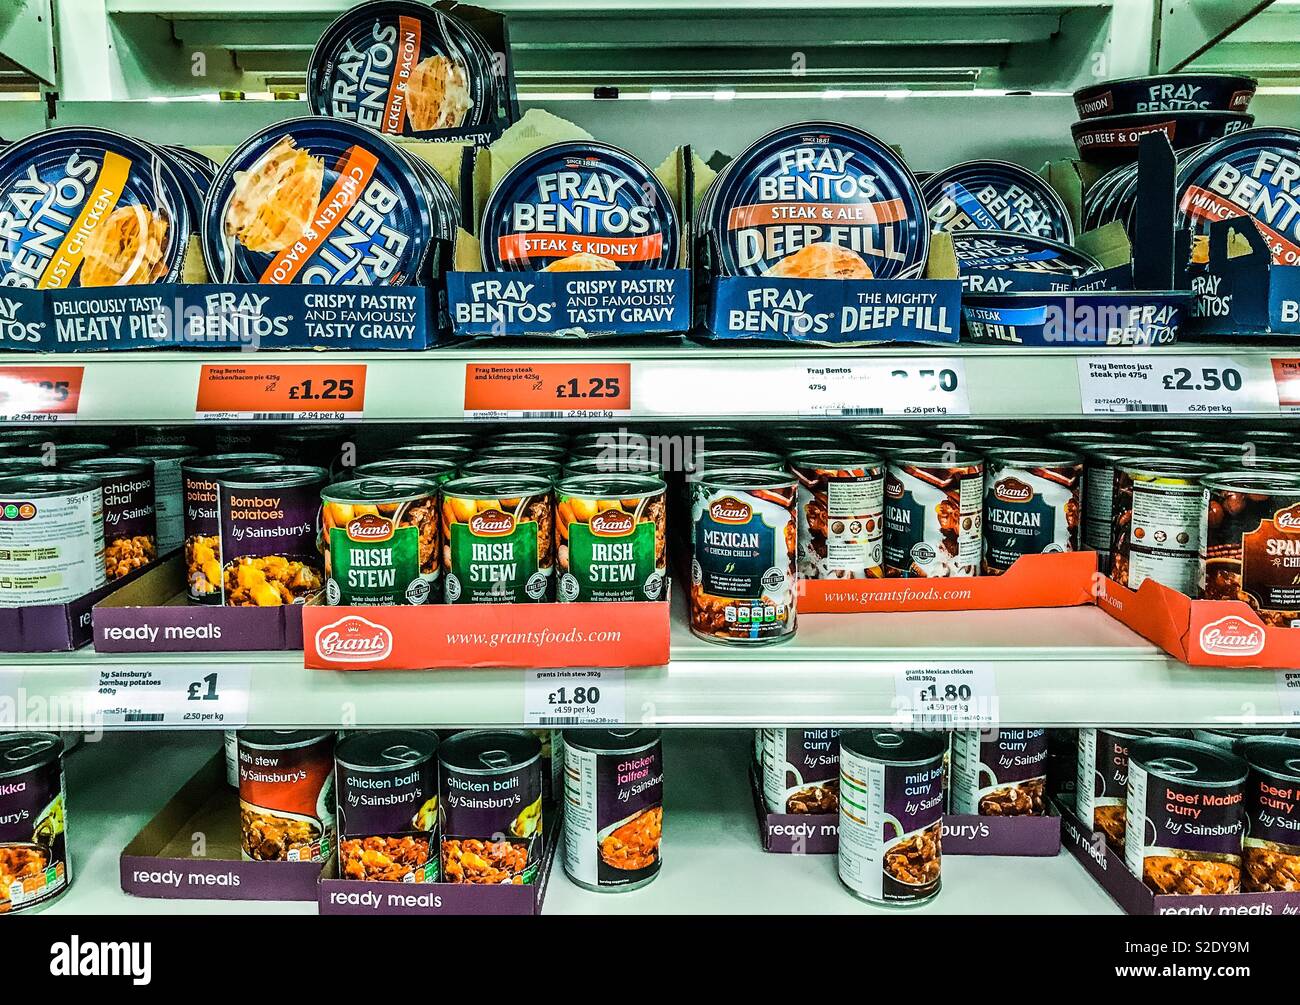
{"x": 672, "y": 379}
{"x": 117, "y": 785}
{"x": 1071, "y": 666}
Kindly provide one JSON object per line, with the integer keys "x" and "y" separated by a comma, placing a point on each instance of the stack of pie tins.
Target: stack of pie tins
{"x": 405, "y": 68}
{"x": 1113, "y": 197}
{"x": 579, "y": 207}
{"x": 996, "y": 195}
{"x": 1001, "y": 262}
{"x": 88, "y": 207}
{"x": 816, "y": 200}
{"x": 322, "y": 201}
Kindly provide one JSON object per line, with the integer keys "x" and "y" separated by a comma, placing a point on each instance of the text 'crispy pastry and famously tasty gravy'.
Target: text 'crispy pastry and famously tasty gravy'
{"x": 891, "y": 815}
{"x": 841, "y": 508}
{"x": 34, "y": 863}
{"x": 996, "y": 196}
{"x": 490, "y": 806}
{"x": 613, "y": 807}
{"x": 403, "y": 68}
{"x": 387, "y": 786}
{"x": 130, "y": 516}
{"x": 999, "y": 773}
{"x": 318, "y": 201}
{"x": 88, "y": 207}
{"x": 383, "y": 541}
{"x": 817, "y": 200}
{"x": 1032, "y": 504}
{"x": 611, "y": 538}
{"x": 744, "y": 545}
{"x": 1250, "y": 542}
{"x": 1156, "y": 522}
{"x": 51, "y": 538}
{"x": 498, "y": 536}
{"x": 579, "y": 207}
{"x": 1186, "y": 816}
{"x": 800, "y": 770}
{"x": 202, "y": 519}
{"x": 286, "y": 795}
{"x": 934, "y": 500}
{"x": 1271, "y": 847}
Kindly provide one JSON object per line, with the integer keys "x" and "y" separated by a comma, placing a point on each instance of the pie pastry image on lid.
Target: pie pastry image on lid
{"x": 822, "y": 260}
{"x": 437, "y": 95}
{"x": 126, "y": 249}
{"x": 582, "y": 262}
{"x": 274, "y": 201}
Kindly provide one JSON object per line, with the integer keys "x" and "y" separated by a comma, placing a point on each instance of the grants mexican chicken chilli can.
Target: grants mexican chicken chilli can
{"x": 382, "y": 541}
{"x": 611, "y": 538}
{"x": 745, "y": 539}
{"x": 1250, "y": 542}
{"x": 1032, "y": 504}
{"x": 34, "y": 864}
{"x": 286, "y": 795}
{"x": 841, "y": 504}
{"x": 498, "y": 535}
{"x": 934, "y": 500}
{"x": 891, "y": 814}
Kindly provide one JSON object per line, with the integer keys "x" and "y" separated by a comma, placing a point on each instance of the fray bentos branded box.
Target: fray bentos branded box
{"x": 161, "y": 861}
{"x": 1240, "y": 290}
{"x": 151, "y": 614}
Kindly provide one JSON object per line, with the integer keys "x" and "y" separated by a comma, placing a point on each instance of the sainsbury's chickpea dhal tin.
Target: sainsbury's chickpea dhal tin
{"x": 130, "y": 518}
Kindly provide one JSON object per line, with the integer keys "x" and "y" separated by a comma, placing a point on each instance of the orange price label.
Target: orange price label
{"x": 547, "y": 390}
{"x": 1286, "y": 372}
{"x": 39, "y": 393}
{"x": 274, "y": 392}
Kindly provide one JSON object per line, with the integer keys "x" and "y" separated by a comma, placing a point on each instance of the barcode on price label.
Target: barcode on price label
{"x": 574, "y": 698}
{"x": 548, "y": 390}
{"x": 948, "y": 697}
{"x": 1182, "y": 385}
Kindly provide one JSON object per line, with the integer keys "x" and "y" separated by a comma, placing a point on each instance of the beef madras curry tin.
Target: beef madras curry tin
{"x": 996, "y": 195}
{"x": 579, "y": 207}
{"x": 818, "y": 200}
{"x": 88, "y": 207}
{"x": 317, "y": 201}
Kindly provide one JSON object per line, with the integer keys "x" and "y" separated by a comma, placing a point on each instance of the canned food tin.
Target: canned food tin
{"x": 613, "y": 808}
{"x": 490, "y": 806}
{"x": 270, "y": 528}
{"x": 1271, "y": 847}
{"x": 1156, "y": 522}
{"x": 1099, "y": 460}
{"x": 1186, "y": 815}
{"x": 320, "y": 446}
{"x": 64, "y": 454}
{"x": 744, "y": 547}
{"x": 202, "y": 519}
{"x": 890, "y": 444}
{"x": 499, "y": 539}
{"x": 546, "y": 451}
{"x": 432, "y": 469}
{"x": 841, "y": 506}
{"x": 51, "y": 539}
{"x": 611, "y": 538}
{"x": 531, "y": 437}
{"x": 1102, "y": 784}
{"x": 1063, "y": 764}
{"x": 740, "y": 459}
{"x": 995, "y": 262}
{"x": 1228, "y": 739}
{"x": 169, "y": 492}
{"x": 934, "y": 500}
{"x": 20, "y": 465}
{"x": 1032, "y": 505}
{"x": 383, "y": 541}
{"x": 433, "y": 453}
{"x": 548, "y": 468}
{"x": 891, "y": 815}
{"x": 130, "y": 523}
{"x": 286, "y": 795}
{"x": 387, "y": 785}
{"x": 34, "y": 862}
{"x": 230, "y": 749}
{"x": 604, "y": 466}
{"x": 800, "y": 770}
{"x": 999, "y": 773}
{"x": 996, "y": 196}
{"x": 985, "y": 443}
{"x": 1250, "y": 542}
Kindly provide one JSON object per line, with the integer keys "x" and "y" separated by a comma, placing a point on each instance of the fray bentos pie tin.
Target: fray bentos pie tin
{"x": 1254, "y": 173}
{"x": 319, "y": 201}
{"x": 1113, "y": 139}
{"x": 579, "y": 207}
{"x": 996, "y": 195}
{"x": 991, "y": 261}
{"x": 817, "y": 200}
{"x": 403, "y": 68}
{"x": 1170, "y": 92}
{"x": 88, "y": 207}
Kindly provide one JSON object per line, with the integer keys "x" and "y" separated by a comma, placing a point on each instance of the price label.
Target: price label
{"x": 1179, "y": 385}
{"x": 40, "y": 393}
{"x": 319, "y": 392}
{"x": 1286, "y": 374}
{"x": 952, "y": 697}
{"x": 918, "y": 387}
{"x": 574, "y": 698}
{"x": 1288, "y": 693}
{"x": 548, "y": 390}
{"x": 202, "y": 697}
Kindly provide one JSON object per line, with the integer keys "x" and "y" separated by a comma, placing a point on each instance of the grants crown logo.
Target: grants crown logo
{"x": 729, "y": 509}
{"x": 491, "y": 523}
{"x": 354, "y": 640}
{"x": 1232, "y": 636}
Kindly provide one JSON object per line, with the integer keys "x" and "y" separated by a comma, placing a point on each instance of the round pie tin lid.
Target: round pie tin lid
{"x": 579, "y": 207}
{"x": 819, "y": 200}
{"x": 316, "y": 200}
{"x": 194, "y": 178}
{"x": 403, "y": 68}
{"x": 1001, "y": 251}
{"x": 1113, "y": 139}
{"x": 1253, "y": 173}
{"x": 88, "y": 207}
{"x": 996, "y": 195}
{"x": 1170, "y": 92}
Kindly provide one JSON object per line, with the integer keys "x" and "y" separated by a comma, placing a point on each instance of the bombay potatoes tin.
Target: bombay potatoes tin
{"x": 996, "y": 195}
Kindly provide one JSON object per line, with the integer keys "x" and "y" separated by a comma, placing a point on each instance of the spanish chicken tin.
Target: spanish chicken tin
{"x": 579, "y": 207}
{"x": 317, "y": 201}
{"x": 998, "y": 196}
{"x": 87, "y": 207}
{"x": 34, "y": 863}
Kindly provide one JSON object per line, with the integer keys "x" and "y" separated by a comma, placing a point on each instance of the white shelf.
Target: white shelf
{"x": 116, "y": 786}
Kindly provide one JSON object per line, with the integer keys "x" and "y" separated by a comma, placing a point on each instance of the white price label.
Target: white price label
{"x": 202, "y": 697}
{"x": 1178, "y": 385}
{"x": 954, "y": 697}
{"x": 885, "y": 387}
{"x": 574, "y": 698}
{"x": 1288, "y": 692}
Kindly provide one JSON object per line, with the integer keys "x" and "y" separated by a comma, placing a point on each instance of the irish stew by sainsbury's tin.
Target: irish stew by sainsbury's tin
{"x": 286, "y": 795}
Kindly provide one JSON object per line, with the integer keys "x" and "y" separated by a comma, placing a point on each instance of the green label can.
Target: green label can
{"x": 382, "y": 539}
{"x": 500, "y": 533}
{"x": 611, "y": 543}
